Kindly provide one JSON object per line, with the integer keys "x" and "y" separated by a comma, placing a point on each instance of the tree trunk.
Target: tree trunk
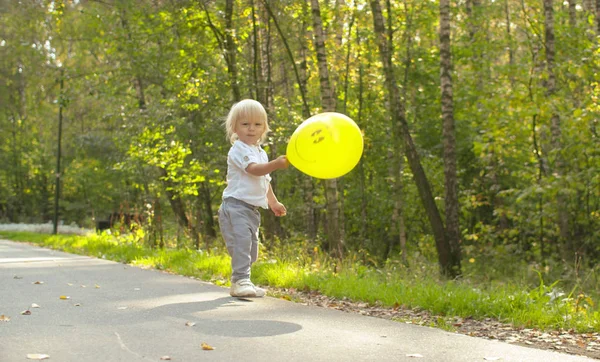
{"x": 589, "y": 5}
{"x": 511, "y": 61}
{"x": 449, "y": 137}
{"x": 555, "y": 128}
{"x": 310, "y": 213}
{"x": 273, "y": 223}
{"x": 396, "y": 157}
{"x": 179, "y": 209}
{"x": 448, "y": 266}
{"x": 572, "y": 13}
{"x": 364, "y": 216}
{"x": 598, "y": 16}
{"x": 230, "y": 51}
{"x": 334, "y": 234}
{"x": 301, "y": 79}
{"x": 227, "y": 45}
{"x": 61, "y": 104}
{"x": 206, "y": 218}
{"x": 256, "y": 52}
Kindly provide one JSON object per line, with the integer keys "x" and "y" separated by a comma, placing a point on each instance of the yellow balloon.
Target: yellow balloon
{"x": 327, "y": 145}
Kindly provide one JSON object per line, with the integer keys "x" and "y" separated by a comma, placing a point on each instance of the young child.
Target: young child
{"x": 248, "y": 188}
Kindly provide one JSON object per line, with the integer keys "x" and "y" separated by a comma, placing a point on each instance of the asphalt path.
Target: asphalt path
{"x": 117, "y": 312}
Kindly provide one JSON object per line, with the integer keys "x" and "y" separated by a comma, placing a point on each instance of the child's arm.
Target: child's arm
{"x": 274, "y": 204}
{"x": 261, "y": 169}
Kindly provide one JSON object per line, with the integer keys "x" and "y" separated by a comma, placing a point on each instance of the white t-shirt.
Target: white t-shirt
{"x": 242, "y": 185}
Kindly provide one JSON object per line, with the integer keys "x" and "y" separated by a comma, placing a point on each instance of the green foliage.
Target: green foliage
{"x": 147, "y": 87}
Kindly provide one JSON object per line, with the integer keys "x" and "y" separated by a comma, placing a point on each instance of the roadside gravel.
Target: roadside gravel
{"x": 580, "y": 344}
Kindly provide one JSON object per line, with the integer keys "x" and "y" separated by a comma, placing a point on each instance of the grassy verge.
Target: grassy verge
{"x": 390, "y": 285}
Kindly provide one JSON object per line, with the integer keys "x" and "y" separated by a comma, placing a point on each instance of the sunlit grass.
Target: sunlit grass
{"x": 392, "y": 285}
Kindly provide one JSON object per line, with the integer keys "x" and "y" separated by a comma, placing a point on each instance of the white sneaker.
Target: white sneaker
{"x": 245, "y": 288}
{"x": 242, "y": 288}
{"x": 260, "y": 292}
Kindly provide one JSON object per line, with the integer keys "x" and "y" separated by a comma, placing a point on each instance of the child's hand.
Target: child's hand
{"x": 282, "y": 162}
{"x": 278, "y": 209}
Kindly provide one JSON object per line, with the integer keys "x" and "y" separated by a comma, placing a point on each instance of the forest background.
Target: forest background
{"x": 480, "y": 122}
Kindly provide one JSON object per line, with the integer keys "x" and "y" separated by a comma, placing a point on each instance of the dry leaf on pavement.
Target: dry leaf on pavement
{"x": 26, "y": 312}
{"x": 37, "y": 356}
{"x": 64, "y": 297}
{"x": 4, "y": 318}
{"x": 38, "y": 282}
{"x": 415, "y": 355}
{"x": 33, "y": 305}
{"x": 190, "y": 324}
{"x": 165, "y": 358}
{"x": 207, "y": 347}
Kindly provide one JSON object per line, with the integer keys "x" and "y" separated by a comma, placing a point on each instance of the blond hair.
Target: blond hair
{"x": 247, "y": 109}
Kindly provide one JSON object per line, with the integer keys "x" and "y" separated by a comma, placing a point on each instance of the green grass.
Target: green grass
{"x": 392, "y": 285}
{"x": 185, "y": 262}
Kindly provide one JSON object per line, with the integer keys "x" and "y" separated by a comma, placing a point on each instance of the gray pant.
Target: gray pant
{"x": 239, "y": 224}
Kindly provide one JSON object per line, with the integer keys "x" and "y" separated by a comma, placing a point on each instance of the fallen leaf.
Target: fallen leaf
{"x": 97, "y": 286}
{"x": 165, "y": 358}
{"x": 190, "y": 324}
{"x": 492, "y": 358}
{"x": 33, "y": 305}
{"x": 70, "y": 284}
{"x": 4, "y": 318}
{"x": 26, "y": 312}
{"x": 77, "y": 305}
{"x": 37, "y": 356}
{"x": 415, "y": 355}
{"x": 38, "y": 282}
{"x": 83, "y": 286}
{"x": 17, "y": 277}
{"x": 64, "y": 297}
{"x": 206, "y": 347}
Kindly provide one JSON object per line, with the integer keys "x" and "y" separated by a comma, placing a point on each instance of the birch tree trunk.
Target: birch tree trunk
{"x": 555, "y": 128}
{"x": 448, "y": 266}
{"x": 449, "y": 136}
{"x": 334, "y": 234}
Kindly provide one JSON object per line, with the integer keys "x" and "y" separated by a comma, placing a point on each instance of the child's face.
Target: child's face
{"x": 250, "y": 131}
